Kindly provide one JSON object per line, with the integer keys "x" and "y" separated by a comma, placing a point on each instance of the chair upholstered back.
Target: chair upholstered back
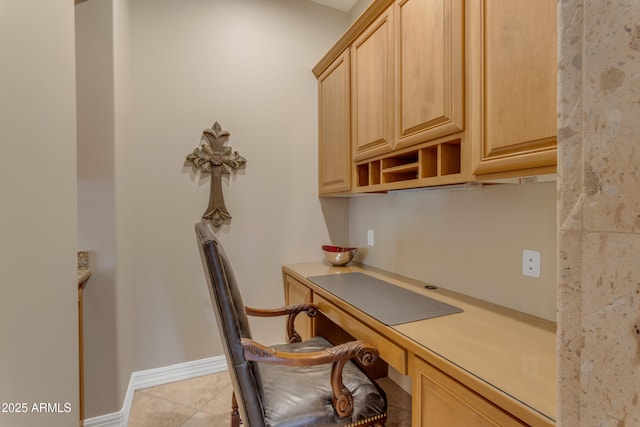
{"x": 233, "y": 325}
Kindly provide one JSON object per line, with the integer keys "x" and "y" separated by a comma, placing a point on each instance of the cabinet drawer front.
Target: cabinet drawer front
{"x": 390, "y": 352}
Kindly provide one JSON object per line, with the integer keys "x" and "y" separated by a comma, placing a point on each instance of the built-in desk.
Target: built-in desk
{"x": 485, "y": 366}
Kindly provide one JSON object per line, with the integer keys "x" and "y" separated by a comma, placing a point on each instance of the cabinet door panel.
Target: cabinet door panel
{"x": 334, "y": 142}
{"x": 441, "y": 401}
{"x": 430, "y": 69}
{"x": 372, "y": 91}
{"x": 519, "y": 78}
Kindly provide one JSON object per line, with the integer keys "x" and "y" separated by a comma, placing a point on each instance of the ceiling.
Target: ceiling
{"x": 343, "y": 5}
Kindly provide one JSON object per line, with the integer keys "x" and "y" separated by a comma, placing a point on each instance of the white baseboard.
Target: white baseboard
{"x": 116, "y": 419}
{"x": 157, "y": 376}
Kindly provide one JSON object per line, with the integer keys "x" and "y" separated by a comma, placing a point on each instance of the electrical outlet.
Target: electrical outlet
{"x": 531, "y": 263}
{"x": 369, "y": 237}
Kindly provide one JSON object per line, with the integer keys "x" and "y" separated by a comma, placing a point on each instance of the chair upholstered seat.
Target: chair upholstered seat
{"x": 301, "y": 396}
{"x": 309, "y": 383}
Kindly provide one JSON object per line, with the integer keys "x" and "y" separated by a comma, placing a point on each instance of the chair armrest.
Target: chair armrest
{"x": 338, "y": 356}
{"x": 291, "y": 311}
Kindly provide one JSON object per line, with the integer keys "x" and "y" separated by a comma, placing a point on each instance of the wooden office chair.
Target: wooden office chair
{"x": 302, "y": 383}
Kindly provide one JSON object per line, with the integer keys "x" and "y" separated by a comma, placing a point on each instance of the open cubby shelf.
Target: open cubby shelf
{"x": 431, "y": 162}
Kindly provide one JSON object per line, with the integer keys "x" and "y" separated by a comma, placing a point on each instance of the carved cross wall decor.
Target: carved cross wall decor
{"x": 213, "y": 157}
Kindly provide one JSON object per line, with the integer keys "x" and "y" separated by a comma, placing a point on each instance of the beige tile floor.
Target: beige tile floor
{"x": 206, "y": 401}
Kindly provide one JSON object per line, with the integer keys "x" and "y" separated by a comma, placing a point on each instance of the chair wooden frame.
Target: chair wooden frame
{"x": 338, "y": 356}
{"x": 244, "y": 355}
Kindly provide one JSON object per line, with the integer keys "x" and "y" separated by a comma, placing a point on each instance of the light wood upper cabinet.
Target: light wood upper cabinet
{"x": 429, "y": 58}
{"x": 514, "y": 67}
{"x": 334, "y": 139}
{"x": 434, "y": 92}
{"x": 372, "y": 72}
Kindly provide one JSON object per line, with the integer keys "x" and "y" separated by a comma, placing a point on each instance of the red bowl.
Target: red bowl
{"x": 337, "y": 255}
{"x": 330, "y": 248}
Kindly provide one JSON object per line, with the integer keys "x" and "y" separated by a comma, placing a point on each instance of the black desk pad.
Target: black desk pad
{"x": 388, "y": 303}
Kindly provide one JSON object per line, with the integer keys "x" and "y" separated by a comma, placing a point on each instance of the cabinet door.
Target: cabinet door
{"x": 430, "y": 69}
{"x": 514, "y": 78}
{"x": 372, "y": 89}
{"x": 441, "y": 401}
{"x": 297, "y": 293}
{"x": 334, "y": 139}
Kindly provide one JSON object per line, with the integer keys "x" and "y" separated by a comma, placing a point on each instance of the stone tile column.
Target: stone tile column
{"x": 599, "y": 213}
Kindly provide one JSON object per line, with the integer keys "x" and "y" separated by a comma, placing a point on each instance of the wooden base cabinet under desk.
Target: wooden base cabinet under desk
{"x": 297, "y": 293}
{"x": 441, "y": 401}
{"x": 464, "y": 368}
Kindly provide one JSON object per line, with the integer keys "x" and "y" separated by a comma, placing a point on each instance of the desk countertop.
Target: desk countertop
{"x": 512, "y": 351}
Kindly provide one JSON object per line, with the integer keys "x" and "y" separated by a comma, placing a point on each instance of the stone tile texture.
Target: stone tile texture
{"x": 599, "y": 213}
